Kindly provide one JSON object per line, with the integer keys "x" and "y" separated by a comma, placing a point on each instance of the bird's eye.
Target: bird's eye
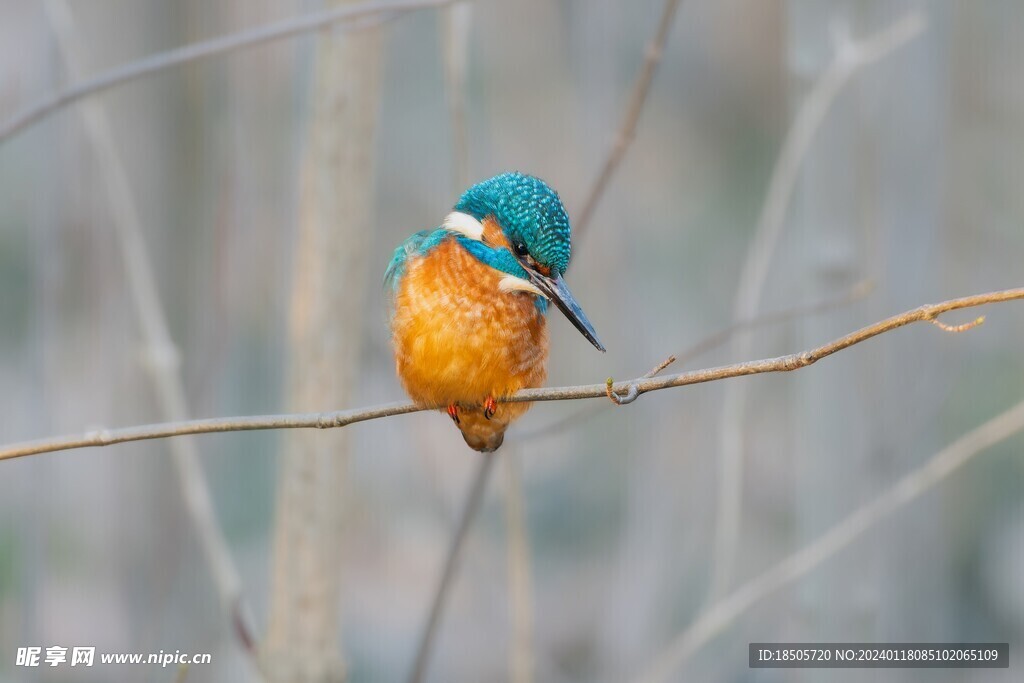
{"x": 520, "y": 249}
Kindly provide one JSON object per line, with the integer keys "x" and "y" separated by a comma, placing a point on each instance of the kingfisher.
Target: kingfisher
{"x": 469, "y": 301}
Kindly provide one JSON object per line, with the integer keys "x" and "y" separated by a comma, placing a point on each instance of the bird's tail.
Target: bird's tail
{"x": 480, "y": 433}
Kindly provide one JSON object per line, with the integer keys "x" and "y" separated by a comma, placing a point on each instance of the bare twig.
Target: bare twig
{"x": 36, "y": 112}
{"x": 839, "y": 536}
{"x": 342, "y": 418}
{"x": 627, "y": 130}
{"x": 451, "y": 565}
{"x": 656, "y": 370}
{"x": 850, "y": 58}
{"x": 162, "y": 358}
{"x": 108, "y": 437}
{"x": 959, "y": 328}
{"x": 632, "y": 393}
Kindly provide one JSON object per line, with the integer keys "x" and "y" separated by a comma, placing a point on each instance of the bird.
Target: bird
{"x": 468, "y": 303}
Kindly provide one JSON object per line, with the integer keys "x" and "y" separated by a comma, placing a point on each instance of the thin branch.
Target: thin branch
{"x": 163, "y": 361}
{"x": 469, "y": 511}
{"x": 959, "y": 328}
{"x": 108, "y": 437}
{"x": 287, "y": 28}
{"x": 839, "y": 536}
{"x": 850, "y": 58}
{"x": 342, "y": 418}
{"x": 627, "y": 130}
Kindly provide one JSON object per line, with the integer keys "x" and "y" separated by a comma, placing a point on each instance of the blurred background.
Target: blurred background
{"x": 606, "y": 531}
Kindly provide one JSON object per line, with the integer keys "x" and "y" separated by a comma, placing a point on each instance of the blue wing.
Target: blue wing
{"x": 401, "y": 256}
{"x": 417, "y": 244}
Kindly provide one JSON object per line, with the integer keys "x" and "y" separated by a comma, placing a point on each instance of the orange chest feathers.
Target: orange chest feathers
{"x": 458, "y": 337}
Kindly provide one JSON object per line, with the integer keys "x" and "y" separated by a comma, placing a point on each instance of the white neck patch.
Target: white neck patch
{"x": 470, "y": 227}
{"x": 511, "y": 283}
{"x": 464, "y": 224}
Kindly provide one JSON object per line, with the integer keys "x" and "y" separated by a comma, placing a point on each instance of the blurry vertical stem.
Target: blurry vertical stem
{"x": 328, "y": 292}
{"x": 162, "y": 359}
{"x": 456, "y": 22}
{"x": 456, "y": 29}
{"x": 839, "y": 536}
{"x": 849, "y": 58}
{"x": 627, "y": 131}
{"x": 469, "y": 511}
{"x": 520, "y": 593}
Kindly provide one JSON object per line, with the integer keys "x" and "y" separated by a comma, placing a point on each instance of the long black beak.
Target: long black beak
{"x": 558, "y": 292}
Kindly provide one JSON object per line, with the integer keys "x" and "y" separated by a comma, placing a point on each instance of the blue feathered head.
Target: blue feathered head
{"x": 528, "y": 211}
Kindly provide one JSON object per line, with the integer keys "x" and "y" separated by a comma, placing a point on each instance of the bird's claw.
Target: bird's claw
{"x": 453, "y": 413}
{"x": 490, "y": 407}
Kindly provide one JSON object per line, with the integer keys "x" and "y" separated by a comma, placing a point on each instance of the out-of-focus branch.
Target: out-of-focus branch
{"x": 456, "y": 22}
{"x": 287, "y": 28}
{"x": 451, "y": 565}
{"x": 455, "y": 33}
{"x": 521, "y": 658}
{"x": 329, "y": 284}
{"x": 342, "y": 418}
{"x": 627, "y": 131}
{"x": 841, "y": 535}
{"x": 162, "y": 360}
{"x": 849, "y": 59}
{"x": 855, "y": 293}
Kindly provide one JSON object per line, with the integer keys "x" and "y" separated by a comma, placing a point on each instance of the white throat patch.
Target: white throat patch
{"x": 467, "y": 225}
{"x": 464, "y": 224}
{"x": 511, "y": 283}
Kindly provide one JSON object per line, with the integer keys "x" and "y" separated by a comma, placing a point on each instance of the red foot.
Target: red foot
{"x": 453, "y": 412}
{"x": 490, "y": 407}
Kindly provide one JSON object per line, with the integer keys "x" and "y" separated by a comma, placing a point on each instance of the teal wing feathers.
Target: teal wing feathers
{"x": 417, "y": 244}
{"x": 405, "y": 250}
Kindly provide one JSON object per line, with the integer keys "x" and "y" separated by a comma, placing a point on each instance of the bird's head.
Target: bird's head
{"x": 522, "y": 220}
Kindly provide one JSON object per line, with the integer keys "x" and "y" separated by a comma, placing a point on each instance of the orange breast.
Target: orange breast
{"x": 459, "y": 339}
